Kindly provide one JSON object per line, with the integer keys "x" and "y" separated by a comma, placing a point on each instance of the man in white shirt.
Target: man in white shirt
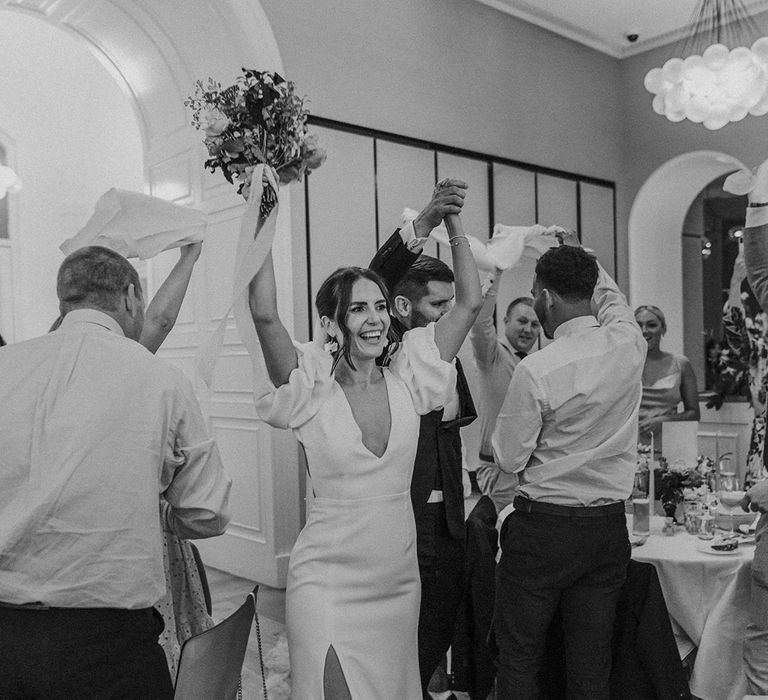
{"x": 94, "y": 430}
{"x": 568, "y": 429}
{"x": 496, "y": 359}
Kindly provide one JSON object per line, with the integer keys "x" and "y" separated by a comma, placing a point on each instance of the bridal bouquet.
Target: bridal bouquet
{"x": 258, "y": 120}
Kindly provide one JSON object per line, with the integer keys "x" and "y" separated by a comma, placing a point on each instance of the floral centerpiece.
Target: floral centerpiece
{"x": 678, "y": 481}
{"x": 258, "y": 120}
{"x": 674, "y": 482}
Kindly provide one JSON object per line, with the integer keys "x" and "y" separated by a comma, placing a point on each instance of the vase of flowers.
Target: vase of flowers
{"x": 678, "y": 482}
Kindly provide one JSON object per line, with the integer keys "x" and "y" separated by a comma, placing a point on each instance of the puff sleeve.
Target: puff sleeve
{"x": 430, "y": 380}
{"x": 295, "y": 402}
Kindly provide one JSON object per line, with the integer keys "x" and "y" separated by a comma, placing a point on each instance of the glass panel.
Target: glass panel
{"x": 557, "y": 202}
{"x": 341, "y": 205}
{"x": 597, "y": 232}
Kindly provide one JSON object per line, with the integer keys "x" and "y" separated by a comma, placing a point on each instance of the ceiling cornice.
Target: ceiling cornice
{"x": 534, "y": 15}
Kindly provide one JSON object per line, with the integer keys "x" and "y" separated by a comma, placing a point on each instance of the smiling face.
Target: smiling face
{"x": 437, "y": 302}
{"x": 522, "y": 327}
{"x": 651, "y": 326}
{"x": 367, "y": 320}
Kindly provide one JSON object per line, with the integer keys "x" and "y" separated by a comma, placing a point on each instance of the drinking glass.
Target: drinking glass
{"x": 730, "y": 493}
{"x": 641, "y": 516}
{"x": 706, "y": 525}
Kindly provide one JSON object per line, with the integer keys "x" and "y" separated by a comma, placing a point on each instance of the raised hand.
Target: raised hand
{"x": 568, "y": 238}
{"x": 447, "y": 199}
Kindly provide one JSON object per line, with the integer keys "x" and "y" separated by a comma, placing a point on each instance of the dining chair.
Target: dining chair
{"x": 211, "y": 662}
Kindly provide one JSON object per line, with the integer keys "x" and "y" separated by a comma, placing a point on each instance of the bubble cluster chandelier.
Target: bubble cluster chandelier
{"x": 715, "y": 84}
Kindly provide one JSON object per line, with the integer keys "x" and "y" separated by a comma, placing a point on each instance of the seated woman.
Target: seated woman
{"x": 667, "y": 380}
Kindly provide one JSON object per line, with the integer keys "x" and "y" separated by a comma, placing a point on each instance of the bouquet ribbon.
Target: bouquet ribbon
{"x": 253, "y": 246}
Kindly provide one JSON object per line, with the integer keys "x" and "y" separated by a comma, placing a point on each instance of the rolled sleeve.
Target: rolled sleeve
{"x": 482, "y": 335}
{"x": 197, "y": 492}
{"x": 519, "y": 422}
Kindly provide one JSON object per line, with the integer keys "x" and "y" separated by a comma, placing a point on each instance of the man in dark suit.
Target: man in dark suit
{"x": 421, "y": 289}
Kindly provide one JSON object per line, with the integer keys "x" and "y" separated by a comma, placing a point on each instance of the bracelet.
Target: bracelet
{"x": 758, "y": 204}
{"x": 459, "y": 239}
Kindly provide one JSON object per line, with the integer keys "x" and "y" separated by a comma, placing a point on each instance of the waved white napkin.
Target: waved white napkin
{"x": 507, "y": 245}
{"x": 138, "y": 225}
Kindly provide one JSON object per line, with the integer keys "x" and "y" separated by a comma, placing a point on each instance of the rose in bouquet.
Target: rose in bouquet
{"x": 258, "y": 120}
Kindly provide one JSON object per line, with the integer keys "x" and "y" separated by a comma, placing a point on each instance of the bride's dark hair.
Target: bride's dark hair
{"x": 333, "y": 299}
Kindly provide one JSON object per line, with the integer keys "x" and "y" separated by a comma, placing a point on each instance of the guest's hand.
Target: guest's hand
{"x": 192, "y": 250}
{"x": 447, "y": 199}
{"x": 756, "y": 499}
{"x": 568, "y": 238}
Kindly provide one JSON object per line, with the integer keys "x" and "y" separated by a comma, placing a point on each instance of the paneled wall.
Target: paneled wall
{"x": 347, "y": 208}
{"x": 355, "y": 201}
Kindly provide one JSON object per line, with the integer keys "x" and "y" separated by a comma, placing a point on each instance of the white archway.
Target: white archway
{"x": 655, "y": 228}
{"x": 155, "y": 51}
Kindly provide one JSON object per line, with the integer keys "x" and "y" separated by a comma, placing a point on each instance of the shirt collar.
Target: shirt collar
{"x": 92, "y": 317}
{"x": 574, "y": 325}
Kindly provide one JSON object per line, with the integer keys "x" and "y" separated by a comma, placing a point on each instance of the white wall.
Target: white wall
{"x": 458, "y": 72}
{"x": 75, "y": 137}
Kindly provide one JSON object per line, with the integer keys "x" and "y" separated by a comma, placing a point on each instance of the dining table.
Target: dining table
{"x": 707, "y": 597}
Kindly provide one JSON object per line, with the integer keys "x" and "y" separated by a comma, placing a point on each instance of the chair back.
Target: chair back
{"x": 211, "y": 662}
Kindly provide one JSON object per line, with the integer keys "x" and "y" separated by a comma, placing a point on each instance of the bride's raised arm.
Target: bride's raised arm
{"x": 279, "y": 352}
{"x": 452, "y": 328}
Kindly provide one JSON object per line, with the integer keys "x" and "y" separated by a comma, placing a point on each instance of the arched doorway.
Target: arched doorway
{"x": 155, "y": 51}
{"x": 655, "y": 227}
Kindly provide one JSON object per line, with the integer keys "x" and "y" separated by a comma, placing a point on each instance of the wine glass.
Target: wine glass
{"x": 730, "y": 493}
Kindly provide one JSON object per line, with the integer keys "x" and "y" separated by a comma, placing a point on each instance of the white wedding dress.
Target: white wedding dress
{"x": 353, "y": 578}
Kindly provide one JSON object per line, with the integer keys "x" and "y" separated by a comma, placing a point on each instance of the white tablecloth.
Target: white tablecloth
{"x": 707, "y": 595}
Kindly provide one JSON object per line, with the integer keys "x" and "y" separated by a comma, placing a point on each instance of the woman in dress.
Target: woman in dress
{"x": 668, "y": 379}
{"x": 352, "y": 601}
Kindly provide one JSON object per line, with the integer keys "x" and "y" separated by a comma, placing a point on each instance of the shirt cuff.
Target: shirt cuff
{"x": 504, "y": 514}
{"x": 408, "y": 236}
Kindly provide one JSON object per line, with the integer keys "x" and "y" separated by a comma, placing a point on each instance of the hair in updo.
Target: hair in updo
{"x": 333, "y": 300}
{"x": 655, "y": 311}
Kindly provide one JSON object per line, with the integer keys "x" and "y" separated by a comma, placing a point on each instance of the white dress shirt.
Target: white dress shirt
{"x": 569, "y": 421}
{"x": 93, "y": 430}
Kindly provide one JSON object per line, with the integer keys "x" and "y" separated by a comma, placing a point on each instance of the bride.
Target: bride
{"x": 352, "y": 598}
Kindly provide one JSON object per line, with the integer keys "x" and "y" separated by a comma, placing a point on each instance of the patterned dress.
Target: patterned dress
{"x": 745, "y": 359}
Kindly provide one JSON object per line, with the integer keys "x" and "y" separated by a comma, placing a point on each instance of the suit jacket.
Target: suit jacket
{"x": 472, "y": 661}
{"x": 438, "y": 456}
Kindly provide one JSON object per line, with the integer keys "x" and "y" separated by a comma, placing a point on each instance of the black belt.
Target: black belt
{"x": 486, "y": 458}
{"x": 25, "y": 606}
{"x": 525, "y": 505}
